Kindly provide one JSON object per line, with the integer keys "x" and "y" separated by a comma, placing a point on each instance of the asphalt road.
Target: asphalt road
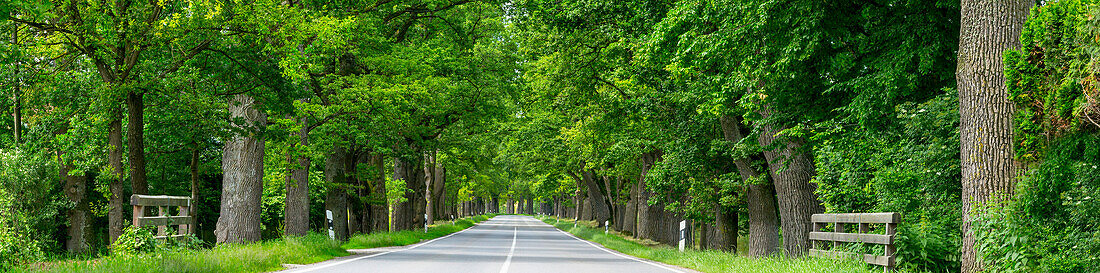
{"x": 506, "y": 243}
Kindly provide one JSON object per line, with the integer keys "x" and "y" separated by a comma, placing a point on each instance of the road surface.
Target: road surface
{"x": 507, "y": 243}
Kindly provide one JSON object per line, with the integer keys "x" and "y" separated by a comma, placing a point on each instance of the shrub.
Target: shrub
{"x": 30, "y": 207}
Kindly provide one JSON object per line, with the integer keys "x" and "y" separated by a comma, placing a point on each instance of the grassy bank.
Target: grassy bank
{"x": 708, "y": 260}
{"x": 258, "y": 257}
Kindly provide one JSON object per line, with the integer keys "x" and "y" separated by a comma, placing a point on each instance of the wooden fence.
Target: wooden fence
{"x": 840, "y": 236}
{"x": 164, "y": 219}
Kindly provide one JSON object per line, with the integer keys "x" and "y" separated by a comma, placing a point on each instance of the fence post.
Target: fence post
{"x": 891, "y": 230}
{"x": 331, "y": 232}
{"x": 683, "y": 234}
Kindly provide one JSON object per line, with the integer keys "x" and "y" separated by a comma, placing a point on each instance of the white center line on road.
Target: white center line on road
{"x": 508, "y": 261}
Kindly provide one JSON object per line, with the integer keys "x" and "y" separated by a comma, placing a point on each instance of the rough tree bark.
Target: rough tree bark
{"x": 76, "y": 190}
{"x": 194, "y": 210}
{"x": 336, "y": 198}
{"x": 987, "y": 29}
{"x": 135, "y": 138}
{"x": 630, "y": 212}
{"x": 380, "y": 216}
{"x": 436, "y": 183}
{"x": 408, "y": 214}
{"x": 114, "y": 163}
{"x": 724, "y": 235}
{"x": 596, "y": 198}
{"x": 792, "y": 168}
{"x": 296, "y": 218}
{"x": 645, "y": 226}
{"x": 760, "y": 198}
{"x": 243, "y": 169}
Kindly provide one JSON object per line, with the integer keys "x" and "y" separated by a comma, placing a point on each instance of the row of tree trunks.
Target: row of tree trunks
{"x": 242, "y": 182}
{"x": 760, "y": 198}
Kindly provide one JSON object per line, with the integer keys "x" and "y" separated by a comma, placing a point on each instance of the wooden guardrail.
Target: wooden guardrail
{"x": 840, "y": 236}
{"x": 163, "y": 220}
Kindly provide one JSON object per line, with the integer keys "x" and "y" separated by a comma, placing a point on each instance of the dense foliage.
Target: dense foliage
{"x": 743, "y": 117}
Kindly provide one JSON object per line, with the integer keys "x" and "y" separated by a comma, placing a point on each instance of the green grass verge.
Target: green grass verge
{"x": 258, "y": 257}
{"x": 708, "y": 260}
{"x": 408, "y": 237}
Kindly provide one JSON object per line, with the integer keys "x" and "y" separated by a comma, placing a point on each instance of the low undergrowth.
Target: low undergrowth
{"x": 708, "y": 260}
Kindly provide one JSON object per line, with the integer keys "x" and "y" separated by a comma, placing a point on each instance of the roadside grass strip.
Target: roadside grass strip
{"x": 707, "y": 260}
{"x": 249, "y": 258}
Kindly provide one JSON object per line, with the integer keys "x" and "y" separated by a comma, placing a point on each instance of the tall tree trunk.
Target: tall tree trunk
{"x": 760, "y": 198}
{"x": 380, "y": 216}
{"x": 792, "y": 168}
{"x": 114, "y": 163}
{"x": 76, "y": 190}
{"x": 135, "y": 137}
{"x": 408, "y": 215}
{"x": 336, "y": 198}
{"x": 646, "y": 221}
{"x": 243, "y": 170}
{"x": 296, "y": 218}
{"x": 17, "y": 100}
{"x": 987, "y": 29}
{"x": 193, "y": 209}
{"x": 725, "y": 229}
{"x": 436, "y": 183}
{"x": 596, "y": 197}
{"x": 630, "y": 212}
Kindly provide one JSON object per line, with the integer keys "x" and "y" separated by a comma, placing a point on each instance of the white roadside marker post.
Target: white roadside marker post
{"x": 683, "y": 234}
{"x": 331, "y": 232}
{"x": 606, "y": 224}
{"x": 425, "y": 223}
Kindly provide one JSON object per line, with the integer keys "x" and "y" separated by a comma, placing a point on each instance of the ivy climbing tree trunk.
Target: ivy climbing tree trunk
{"x": 79, "y": 223}
{"x": 792, "y": 169}
{"x": 407, "y": 215}
{"x": 988, "y": 28}
{"x": 296, "y": 218}
{"x": 243, "y": 169}
{"x": 380, "y": 216}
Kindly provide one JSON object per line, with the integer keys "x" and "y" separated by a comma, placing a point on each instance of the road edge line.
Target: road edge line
{"x": 616, "y": 253}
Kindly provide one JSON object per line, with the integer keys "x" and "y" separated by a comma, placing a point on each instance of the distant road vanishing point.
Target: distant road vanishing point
{"x": 504, "y": 244}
